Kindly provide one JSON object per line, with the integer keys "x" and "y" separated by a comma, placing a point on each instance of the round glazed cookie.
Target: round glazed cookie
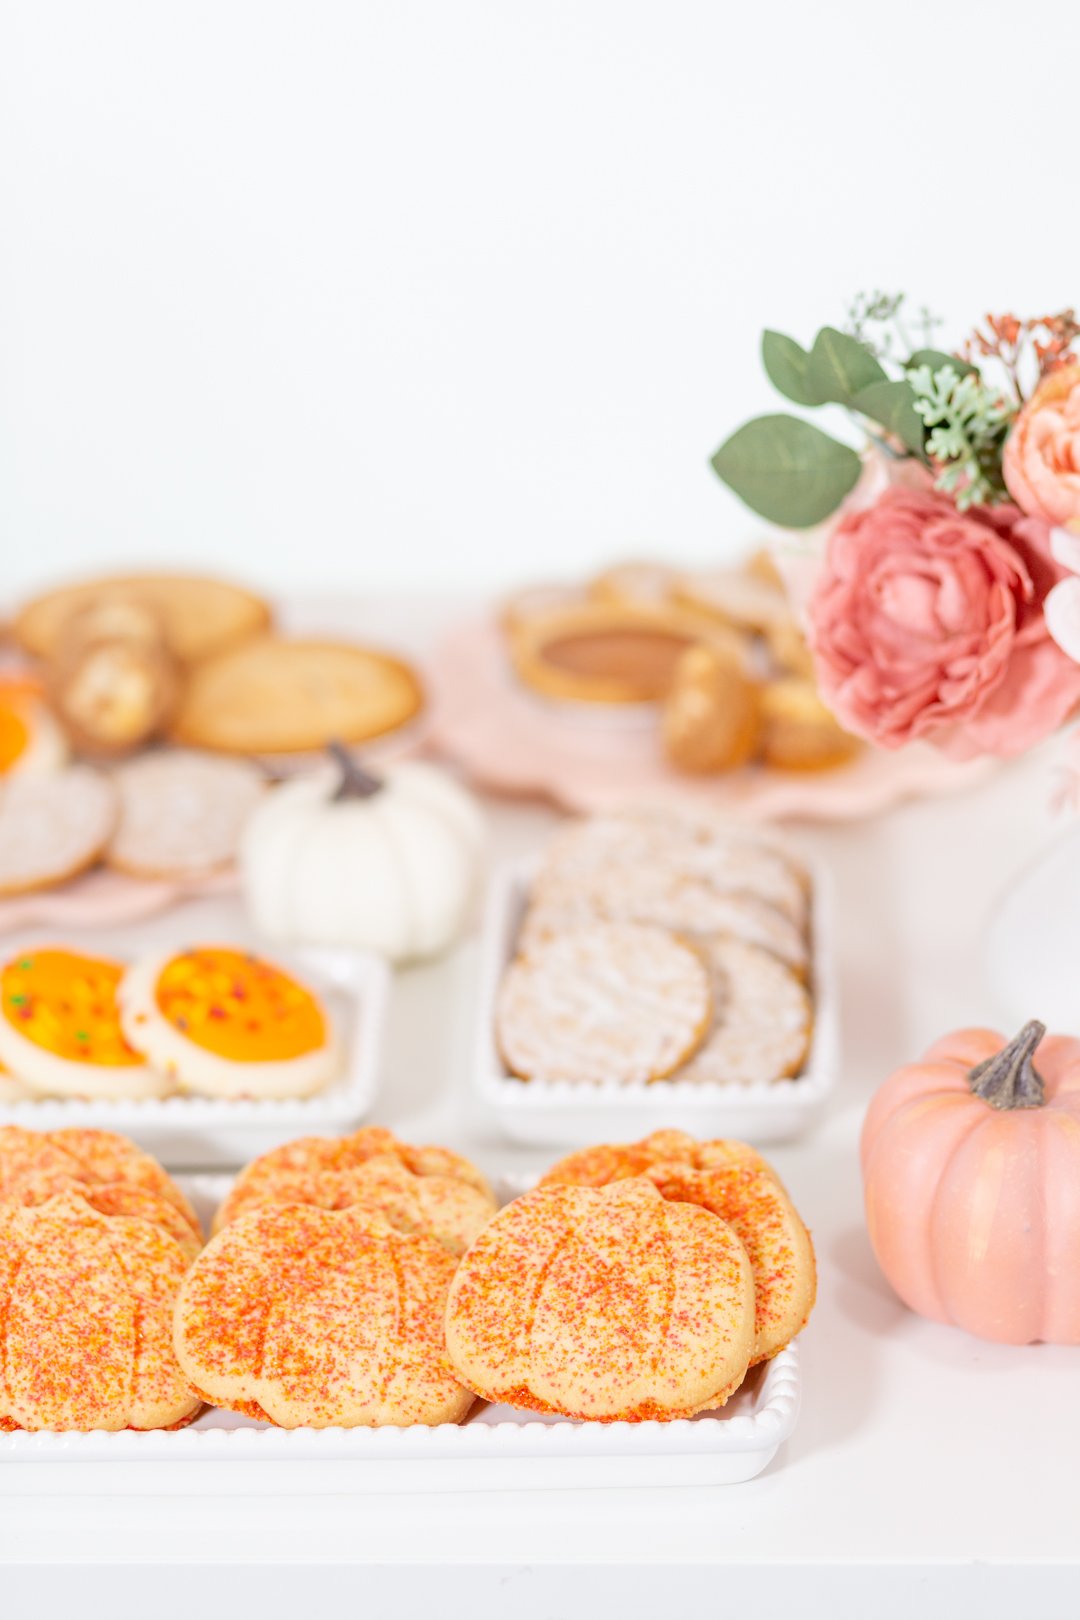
{"x": 221, "y": 1022}
{"x": 52, "y": 827}
{"x": 181, "y": 813}
{"x": 762, "y": 1018}
{"x": 611, "y": 1003}
{"x": 273, "y": 696}
{"x": 60, "y": 1028}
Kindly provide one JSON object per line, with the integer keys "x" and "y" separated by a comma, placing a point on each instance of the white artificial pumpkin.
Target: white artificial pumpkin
{"x": 387, "y": 864}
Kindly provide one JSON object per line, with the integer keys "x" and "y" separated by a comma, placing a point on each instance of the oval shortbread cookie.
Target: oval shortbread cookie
{"x": 761, "y": 1018}
{"x": 181, "y": 813}
{"x": 615, "y": 1002}
{"x": 200, "y": 615}
{"x": 52, "y": 827}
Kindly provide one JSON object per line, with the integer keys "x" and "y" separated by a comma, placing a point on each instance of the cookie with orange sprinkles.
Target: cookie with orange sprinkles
{"x": 60, "y": 1027}
{"x": 38, "y": 1165}
{"x": 610, "y": 1303}
{"x": 86, "y": 1308}
{"x": 734, "y": 1182}
{"x": 320, "y": 1318}
{"x": 219, "y": 1021}
{"x": 426, "y": 1190}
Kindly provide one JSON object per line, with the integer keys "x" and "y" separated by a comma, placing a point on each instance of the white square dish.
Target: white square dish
{"x": 185, "y": 1130}
{"x": 497, "y": 1448}
{"x": 559, "y": 1114}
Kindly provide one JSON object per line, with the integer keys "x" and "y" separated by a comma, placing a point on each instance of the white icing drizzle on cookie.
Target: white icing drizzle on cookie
{"x": 761, "y": 1019}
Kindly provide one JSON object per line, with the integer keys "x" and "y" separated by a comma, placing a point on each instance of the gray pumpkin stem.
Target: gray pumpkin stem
{"x": 1009, "y": 1079}
{"x": 356, "y": 783}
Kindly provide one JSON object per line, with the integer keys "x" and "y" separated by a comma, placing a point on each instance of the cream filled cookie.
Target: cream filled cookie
{"x": 221, "y": 1022}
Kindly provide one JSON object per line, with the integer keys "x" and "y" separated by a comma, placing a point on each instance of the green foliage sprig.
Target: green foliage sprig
{"x": 967, "y": 425}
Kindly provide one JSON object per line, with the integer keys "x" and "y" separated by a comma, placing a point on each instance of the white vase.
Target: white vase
{"x": 1032, "y": 945}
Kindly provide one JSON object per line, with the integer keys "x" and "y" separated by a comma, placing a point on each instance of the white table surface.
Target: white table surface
{"x": 920, "y": 1449}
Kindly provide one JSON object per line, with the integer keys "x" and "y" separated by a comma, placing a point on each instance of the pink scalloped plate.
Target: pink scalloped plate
{"x": 106, "y": 899}
{"x": 514, "y": 743}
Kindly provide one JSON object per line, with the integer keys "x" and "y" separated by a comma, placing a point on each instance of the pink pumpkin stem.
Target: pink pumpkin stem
{"x": 356, "y": 783}
{"x": 1009, "y": 1079}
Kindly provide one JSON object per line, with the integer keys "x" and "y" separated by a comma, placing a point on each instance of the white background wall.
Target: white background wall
{"x": 443, "y": 292}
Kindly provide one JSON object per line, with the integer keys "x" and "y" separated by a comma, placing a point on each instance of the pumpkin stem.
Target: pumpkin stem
{"x": 356, "y": 783}
{"x": 1009, "y": 1079}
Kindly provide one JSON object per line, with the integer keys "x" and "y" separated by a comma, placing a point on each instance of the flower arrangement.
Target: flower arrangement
{"x": 945, "y": 603}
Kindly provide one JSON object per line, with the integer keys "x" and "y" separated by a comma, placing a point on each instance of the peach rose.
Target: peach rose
{"x": 1041, "y": 460}
{"x": 928, "y": 622}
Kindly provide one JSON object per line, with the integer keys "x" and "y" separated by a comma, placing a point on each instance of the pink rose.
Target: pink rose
{"x": 1041, "y": 460}
{"x": 927, "y": 622}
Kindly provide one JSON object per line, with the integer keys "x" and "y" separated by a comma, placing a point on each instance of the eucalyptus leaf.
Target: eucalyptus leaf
{"x": 892, "y": 404}
{"x": 840, "y": 366}
{"x": 936, "y": 359}
{"x": 786, "y": 363}
{"x": 787, "y": 470}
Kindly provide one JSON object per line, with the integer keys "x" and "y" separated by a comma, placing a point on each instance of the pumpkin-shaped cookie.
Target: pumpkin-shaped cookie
{"x": 738, "y": 1185}
{"x": 603, "y": 1303}
{"x": 426, "y": 1190}
{"x": 305, "y": 1316}
{"x": 38, "y": 1165}
{"x": 86, "y": 1306}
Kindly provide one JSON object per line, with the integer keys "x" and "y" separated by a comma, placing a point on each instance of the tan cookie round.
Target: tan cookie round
{"x": 608, "y": 1304}
{"x": 181, "y": 813}
{"x": 52, "y": 827}
{"x": 200, "y": 615}
{"x": 614, "y": 1002}
{"x": 308, "y": 1317}
{"x": 761, "y": 1023}
{"x": 634, "y": 583}
{"x": 274, "y": 696}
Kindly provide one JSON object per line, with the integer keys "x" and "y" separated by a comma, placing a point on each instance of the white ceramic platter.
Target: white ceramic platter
{"x": 562, "y": 1115}
{"x": 496, "y": 1449}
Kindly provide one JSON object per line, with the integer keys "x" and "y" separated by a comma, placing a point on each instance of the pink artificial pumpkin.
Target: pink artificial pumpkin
{"x": 971, "y": 1166}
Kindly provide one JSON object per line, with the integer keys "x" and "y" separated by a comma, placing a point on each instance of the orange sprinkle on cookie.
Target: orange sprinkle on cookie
{"x": 604, "y": 1303}
{"x": 238, "y": 1007}
{"x": 38, "y": 1165}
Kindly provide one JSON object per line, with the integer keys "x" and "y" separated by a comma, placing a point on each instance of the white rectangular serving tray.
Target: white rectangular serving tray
{"x": 215, "y": 1132}
{"x": 559, "y": 1114}
{"x": 496, "y": 1449}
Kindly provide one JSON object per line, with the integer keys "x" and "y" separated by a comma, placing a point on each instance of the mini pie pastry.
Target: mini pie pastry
{"x": 761, "y": 1023}
{"x": 305, "y": 1316}
{"x": 739, "y": 1186}
{"x": 52, "y": 827}
{"x": 603, "y": 652}
{"x": 607, "y": 1303}
{"x": 610, "y": 1003}
{"x": 221, "y": 1022}
{"x": 31, "y": 742}
{"x": 537, "y": 601}
{"x": 181, "y": 813}
{"x": 200, "y": 616}
{"x": 38, "y": 1165}
{"x": 60, "y": 1028}
{"x": 711, "y": 720}
{"x": 86, "y": 1308}
{"x": 425, "y": 1190}
{"x": 277, "y": 696}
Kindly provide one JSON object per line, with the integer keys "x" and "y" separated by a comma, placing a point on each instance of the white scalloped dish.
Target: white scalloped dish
{"x": 497, "y": 1448}
{"x": 559, "y": 1114}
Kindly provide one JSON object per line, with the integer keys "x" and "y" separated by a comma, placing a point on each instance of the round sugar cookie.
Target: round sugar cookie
{"x": 612, "y": 1003}
{"x": 181, "y": 813}
{"x": 60, "y": 1028}
{"x": 52, "y": 827}
{"x": 761, "y": 1022}
{"x": 38, "y": 1165}
{"x": 31, "y": 741}
{"x": 273, "y": 696}
{"x": 200, "y": 616}
{"x": 13, "y": 1090}
{"x": 221, "y": 1022}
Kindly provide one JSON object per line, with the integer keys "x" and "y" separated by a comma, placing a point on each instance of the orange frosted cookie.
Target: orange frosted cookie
{"x": 426, "y": 1190}
{"x": 37, "y": 1165}
{"x": 609, "y": 1304}
{"x": 31, "y": 741}
{"x": 60, "y": 1027}
{"x": 86, "y": 1306}
{"x": 738, "y": 1185}
{"x": 614, "y": 1002}
{"x": 309, "y": 1317}
{"x": 222, "y": 1022}
{"x": 761, "y": 1019}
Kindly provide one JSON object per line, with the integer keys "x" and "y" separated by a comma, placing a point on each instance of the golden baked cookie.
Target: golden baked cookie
{"x": 86, "y": 1309}
{"x": 798, "y": 732}
{"x": 635, "y": 583}
{"x": 761, "y": 1023}
{"x": 426, "y": 1190}
{"x": 200, "y": 616}
{"x": 609, "y": 1003}
{"x": 222, "y": 1022}
{"x": 52, "y": 827}
{"x": 739, "y": 1186}
{"x": 181, "y": 813}
{"x": 112, "y": 677}
{"x": 277, "y": 696}
{"x": 734, "y": 597}
{"x": 38, "y": 1165}
{"x": 604, "y": 652}
{"x": 610, "y": 1304}
{"x": 310, "y": 1317}
{"x": 789, "y": 650}
{"x": 711, "y": 720}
